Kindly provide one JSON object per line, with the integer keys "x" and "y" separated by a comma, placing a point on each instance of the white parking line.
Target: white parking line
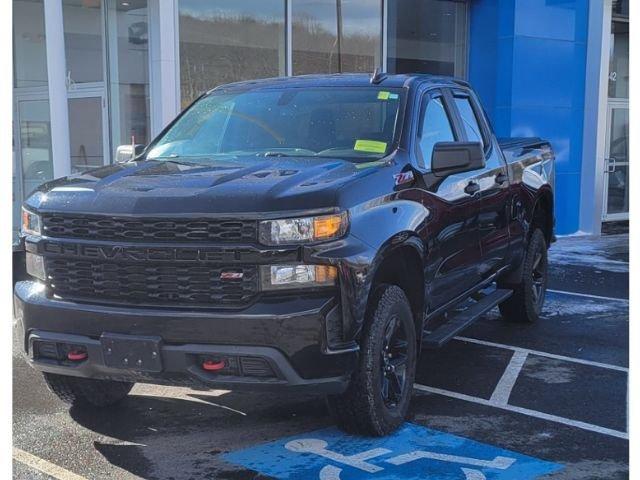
{"x": 502, "y": 391}
{"x": 44, "y": 466}
{"x": 588, "y": 295}
{"x": 542, "y": 354}
{"x": 525, "y": 411}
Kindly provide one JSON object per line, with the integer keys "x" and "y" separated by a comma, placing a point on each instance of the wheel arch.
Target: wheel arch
{"x": 401, "y": 263}
{"x": 542, "y": 216}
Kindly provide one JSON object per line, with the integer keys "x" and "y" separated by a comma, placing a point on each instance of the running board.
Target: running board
{"x": 463, "y": 319}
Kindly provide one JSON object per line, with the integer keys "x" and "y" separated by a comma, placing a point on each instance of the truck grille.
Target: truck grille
{"x": 149, "y": 229}
{"x": 151, "y": 284}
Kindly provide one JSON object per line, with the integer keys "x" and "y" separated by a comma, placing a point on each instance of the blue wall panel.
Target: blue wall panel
{"x": 527, "y": 62}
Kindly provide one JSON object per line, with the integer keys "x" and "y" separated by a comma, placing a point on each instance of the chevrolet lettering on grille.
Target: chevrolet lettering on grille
{"x": 231, "y": 276}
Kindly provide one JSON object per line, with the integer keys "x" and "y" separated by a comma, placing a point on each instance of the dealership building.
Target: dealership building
{"x": 90, "y": 75}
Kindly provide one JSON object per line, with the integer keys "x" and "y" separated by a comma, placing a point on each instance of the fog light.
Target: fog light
{"x": 277, "y": 277}
{"x": 35, "y": 266}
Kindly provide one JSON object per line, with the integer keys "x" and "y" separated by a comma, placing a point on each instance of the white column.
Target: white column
{"x": 113, "y": 75}
{"x": 56, "y": 76}
{"x": 595, "y": 117}
{"x": 164, "y": 63}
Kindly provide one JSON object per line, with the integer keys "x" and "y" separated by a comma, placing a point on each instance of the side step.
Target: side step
{"x": 463, "y": 319}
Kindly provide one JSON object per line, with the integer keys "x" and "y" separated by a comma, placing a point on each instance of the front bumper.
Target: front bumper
{"x": 289, "y": 334}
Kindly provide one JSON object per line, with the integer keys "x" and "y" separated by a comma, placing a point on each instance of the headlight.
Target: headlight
{"x": 278, "y": 277}
{"x": 35, "y": 266}
{"x": 303, "y": 230}
{"x": 30, "y": 223}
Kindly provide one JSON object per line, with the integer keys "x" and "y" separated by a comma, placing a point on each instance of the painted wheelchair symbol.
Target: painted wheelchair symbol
{"x": 360, "y": 460}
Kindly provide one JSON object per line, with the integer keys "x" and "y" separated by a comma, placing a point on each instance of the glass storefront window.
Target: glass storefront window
{"x": 222, "y": 42}
{"x": 29, "y": 49}
{"x": 128, "y": 27}
{"x": 336, "y": 36}
{"x": 83, "y": 25}
{"x": 619, "y": 60}
{"x": 427, "y": 36}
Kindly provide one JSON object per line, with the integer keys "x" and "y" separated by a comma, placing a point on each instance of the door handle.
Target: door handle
{"x": 610, "y": 165}
{"x": 472, "y": 188}
{"x": 501, "y": 178}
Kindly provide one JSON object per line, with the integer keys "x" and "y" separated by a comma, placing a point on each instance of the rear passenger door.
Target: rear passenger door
{"x": 493, "y": 196}
{"x": 453, "y": 248}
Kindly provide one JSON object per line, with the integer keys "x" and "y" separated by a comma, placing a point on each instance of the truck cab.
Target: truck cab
{"x": 309, "y": 234}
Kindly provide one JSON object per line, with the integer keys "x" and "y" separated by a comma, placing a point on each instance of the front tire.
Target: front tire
{"x": 525, "y": 305}
{"x": 87, "y": 392}
{"x": 378, "y": 396}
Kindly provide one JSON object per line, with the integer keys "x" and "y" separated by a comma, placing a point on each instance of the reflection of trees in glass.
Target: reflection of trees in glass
{"x": 220, "y": 49}
{"x": 317, "y": 50}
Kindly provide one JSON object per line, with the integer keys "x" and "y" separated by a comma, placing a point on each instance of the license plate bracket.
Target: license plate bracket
{"x": 132, "y": 352}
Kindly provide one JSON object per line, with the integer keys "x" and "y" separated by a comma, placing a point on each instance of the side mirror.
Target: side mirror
{"x": 456, "y": 157}
{"x": 124, "y": 153}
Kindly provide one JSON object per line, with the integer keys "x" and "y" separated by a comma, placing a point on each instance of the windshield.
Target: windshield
{"x": 351, "y": 123}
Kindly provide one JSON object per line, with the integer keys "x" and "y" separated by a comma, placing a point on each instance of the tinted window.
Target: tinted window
{"x": 435, "y": 128}
{"x": 353, "y": 123}
{"x": 469, "y": 120}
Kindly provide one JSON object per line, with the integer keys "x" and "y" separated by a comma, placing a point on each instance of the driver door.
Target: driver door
{"x": 453, "y": 244}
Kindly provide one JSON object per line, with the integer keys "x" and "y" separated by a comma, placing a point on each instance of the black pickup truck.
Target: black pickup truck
{"x": 308, "y": 234}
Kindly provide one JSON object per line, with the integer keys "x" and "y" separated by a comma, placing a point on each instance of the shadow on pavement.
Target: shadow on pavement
{"x": 195, "y": 429}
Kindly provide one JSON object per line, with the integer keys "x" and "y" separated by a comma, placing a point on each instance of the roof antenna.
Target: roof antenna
{"x": 377, "y": 76}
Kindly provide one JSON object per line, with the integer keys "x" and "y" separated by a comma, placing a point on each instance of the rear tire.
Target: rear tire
{"x": 378, "y": 396}
{"x": 87, "y": 392}
{"x": 525, "y": 305}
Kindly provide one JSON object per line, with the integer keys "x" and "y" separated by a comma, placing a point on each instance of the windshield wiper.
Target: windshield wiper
{"x": 283, "y": 154}
{"x": 174, "y": 159}
{"x": 274, "y": 154}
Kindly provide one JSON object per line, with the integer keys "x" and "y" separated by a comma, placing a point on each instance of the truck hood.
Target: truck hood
{"x": 167, "y": 187}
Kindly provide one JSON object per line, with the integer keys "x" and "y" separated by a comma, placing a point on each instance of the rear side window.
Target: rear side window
{"x": 436, "y": 127}
{"x": 469, "y": 120}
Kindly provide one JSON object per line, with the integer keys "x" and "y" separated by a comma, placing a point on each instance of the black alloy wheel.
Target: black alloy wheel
{"x": 393, "y": 363}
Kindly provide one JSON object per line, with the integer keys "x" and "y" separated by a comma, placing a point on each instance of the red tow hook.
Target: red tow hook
{"x": 77, "y": 355}
{"x": 212, "y": 366}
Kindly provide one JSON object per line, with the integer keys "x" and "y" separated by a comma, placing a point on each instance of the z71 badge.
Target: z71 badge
{"x": 403, "y": 177}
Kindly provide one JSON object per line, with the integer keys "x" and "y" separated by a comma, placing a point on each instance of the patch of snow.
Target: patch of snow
{"x": 601, "y": 253}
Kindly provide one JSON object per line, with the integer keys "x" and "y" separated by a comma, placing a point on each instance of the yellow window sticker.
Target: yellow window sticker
{"x": 383, "y": 95}
{"x": 372, "y": 146}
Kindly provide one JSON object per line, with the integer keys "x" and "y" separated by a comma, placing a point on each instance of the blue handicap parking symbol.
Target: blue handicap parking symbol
{"x": 413, "y": 452}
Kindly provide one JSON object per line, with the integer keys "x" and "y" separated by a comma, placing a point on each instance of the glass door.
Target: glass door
{"x": 617, "y": 162}
{"x": 616, "y": 181}
{"x": 88, "y": 130}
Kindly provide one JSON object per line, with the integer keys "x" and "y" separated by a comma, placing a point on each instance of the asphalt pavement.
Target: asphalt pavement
{"x": 501, "y": 401}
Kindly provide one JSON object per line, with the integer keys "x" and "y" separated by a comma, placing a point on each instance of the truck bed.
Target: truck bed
{"x": 530, "y": 160}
